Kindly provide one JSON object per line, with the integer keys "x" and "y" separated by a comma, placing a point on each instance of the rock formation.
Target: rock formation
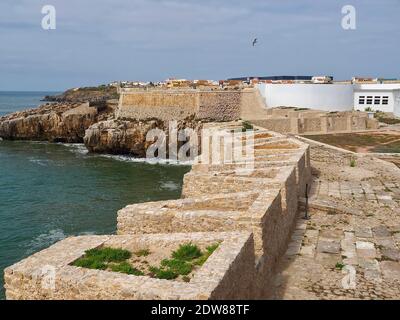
{"x": 59, "y": 122}
{"x": 128, "y": 136}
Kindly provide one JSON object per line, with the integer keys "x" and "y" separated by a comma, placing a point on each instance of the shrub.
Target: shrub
{"x": 99, "y": 258}
{"x": 339, "y": 266}
{"x": 90, "y": 263}
{"x": 125, "y": 267}
{"x": 187, "y": 252}
{"x": 163, "y": 274}
{"x": 210, "y": 249}
{"x": 352, "y": 162}
{"x": 177, "y": 266}
{"x": 247, "y": 126}
{"x": 109, "y": 254}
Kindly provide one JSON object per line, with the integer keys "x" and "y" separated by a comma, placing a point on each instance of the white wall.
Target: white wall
{"x": 396, "y": 103}
{"x": 377, "y": 92}
{"x": 326, "y": 97}
{"x": 377, "y": 100}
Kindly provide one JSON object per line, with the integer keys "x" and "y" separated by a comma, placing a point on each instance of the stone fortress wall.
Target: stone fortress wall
{"x": 230, "y": 105}
{"x": 251, "y": 212}
{"x": 179, "y": 104}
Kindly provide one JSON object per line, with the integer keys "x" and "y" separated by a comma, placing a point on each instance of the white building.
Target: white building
{"x": 326, "y": 97}
{"x": 377, "y": 97}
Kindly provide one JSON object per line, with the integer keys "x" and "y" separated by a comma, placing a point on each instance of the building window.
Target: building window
{"x": 361, "y": 100}
{"x": 369, "y": 100}
{"x": 385, "y": 100}
{"x": 377, "y": 100}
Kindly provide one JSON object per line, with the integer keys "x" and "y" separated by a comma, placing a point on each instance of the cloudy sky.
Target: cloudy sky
{"x": 98, "y": 41}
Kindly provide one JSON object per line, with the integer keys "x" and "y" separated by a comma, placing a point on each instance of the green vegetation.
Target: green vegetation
{"x": 163, "y": 274}
{"x": 339, "y": 266}
{"x": 201, "y": 260}
{"x": 187, "y": 252}
{"x": 108, "y": 254}
{"x": 125, "y": 267}
{"x": 247, "y": 126}
{"x": 90, "y": 263}
{"x": 184, "y": 259}
{"x": 352, "y": 162}
{"x": 107, "y": 258}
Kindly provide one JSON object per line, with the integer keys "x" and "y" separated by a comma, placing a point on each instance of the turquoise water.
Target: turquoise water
{"x": 51, "y": 191}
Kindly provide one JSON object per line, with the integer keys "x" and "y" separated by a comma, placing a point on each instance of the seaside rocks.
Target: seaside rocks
{"x": 119, "y": 137}
{"x": 129, "y": 136}
{"x": 50, "y": 122}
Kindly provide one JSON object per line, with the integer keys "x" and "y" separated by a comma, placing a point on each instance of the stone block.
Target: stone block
{"x": 227, "y": 274}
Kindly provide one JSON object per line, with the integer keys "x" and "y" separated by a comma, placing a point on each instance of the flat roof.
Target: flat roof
{"x": 273, "y": 78}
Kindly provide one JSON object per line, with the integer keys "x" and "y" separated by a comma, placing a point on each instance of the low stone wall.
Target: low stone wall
{"x": 227, "y": 274}
{"x": 315, "y": 122}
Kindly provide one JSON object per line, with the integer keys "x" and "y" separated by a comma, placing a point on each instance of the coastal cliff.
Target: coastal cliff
{"x": 85, "y": 94}
{"x": 120, "y": 126}
{"x": 58, "y": 122}
{"x": 128, "y": 136}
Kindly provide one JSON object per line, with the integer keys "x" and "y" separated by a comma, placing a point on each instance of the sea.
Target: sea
{"x": 49, "y": 191}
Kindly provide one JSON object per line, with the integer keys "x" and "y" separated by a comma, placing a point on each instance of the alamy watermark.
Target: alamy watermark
{"x": 49, "y": 20}
{"x": 217, "y": 146}
{"x": 349, "y": 19}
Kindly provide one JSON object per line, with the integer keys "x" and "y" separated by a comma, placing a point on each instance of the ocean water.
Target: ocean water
{"x": 52, "y": 191}
{"x": 14, "y": 101}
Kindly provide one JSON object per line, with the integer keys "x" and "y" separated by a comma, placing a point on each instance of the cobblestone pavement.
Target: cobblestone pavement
{"x": 350, "y": 246}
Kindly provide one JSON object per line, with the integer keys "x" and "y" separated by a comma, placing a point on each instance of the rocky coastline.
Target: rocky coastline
{"x": 86, "y": 120}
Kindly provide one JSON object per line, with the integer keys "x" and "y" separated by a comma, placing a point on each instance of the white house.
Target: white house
{"x": 377, "y": 97}
{"x": 326, "y": 97}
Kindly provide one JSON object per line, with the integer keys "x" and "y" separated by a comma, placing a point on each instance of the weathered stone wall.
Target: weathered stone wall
{"x": 315, "y": 122}
{"x": 219, "y": 105}
{"x": 281, "y": 171}
{"x": 227, "y": 274}
{"x": 162, "y": 105}
{"x": 166, "y": 105}
{"x": 220, "y": 201}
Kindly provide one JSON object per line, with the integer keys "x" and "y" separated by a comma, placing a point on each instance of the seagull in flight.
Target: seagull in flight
{"x": 255, "y": 41}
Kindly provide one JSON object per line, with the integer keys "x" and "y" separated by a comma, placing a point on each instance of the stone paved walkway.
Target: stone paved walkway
{"x": 350, "y": 248}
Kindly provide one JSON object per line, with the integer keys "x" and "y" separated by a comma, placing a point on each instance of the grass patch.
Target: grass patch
{"x": 183, "y": 261}
{"x": 125, "y": 267}
{"x": 108, "y": 254}
{"x": 160, "y": 273}
{"x": 339, "y": 266}
{"x": 90, "y": 263}
{"x": 178, "y": 266}
{"x": 187, "y": 252}
{"x": 107, "y": 258}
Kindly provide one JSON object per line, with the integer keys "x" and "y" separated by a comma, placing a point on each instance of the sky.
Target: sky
{"x": 98, "y": 41}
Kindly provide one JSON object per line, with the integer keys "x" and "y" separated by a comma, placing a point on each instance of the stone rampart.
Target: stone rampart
{"x": 251, "y": 211}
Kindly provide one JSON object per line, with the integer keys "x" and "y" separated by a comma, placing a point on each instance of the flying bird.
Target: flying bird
{"x": 254, "y": 42}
